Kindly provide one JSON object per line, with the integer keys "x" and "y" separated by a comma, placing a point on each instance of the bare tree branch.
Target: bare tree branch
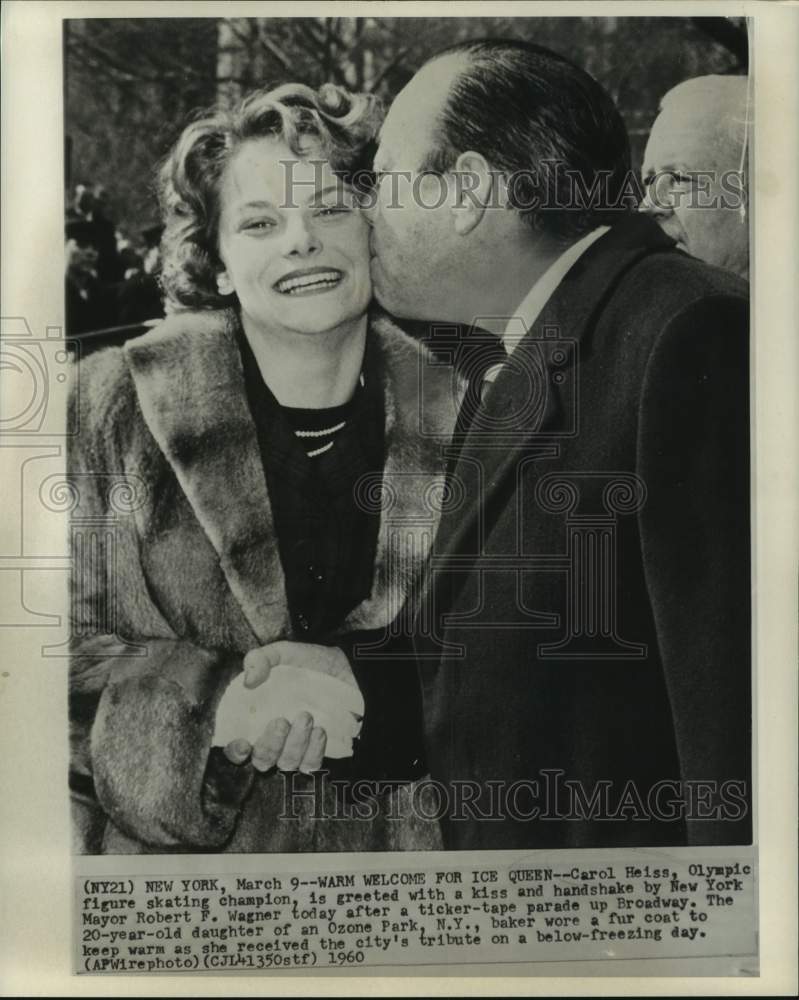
{"x": 388, "y": 68}
{"x": 85, "y": 49}
{"x": 273, "y": 50}
{"x": 312, "y": 30}
{"x": 311, "y": 42}
{"x": 244, "y": 36}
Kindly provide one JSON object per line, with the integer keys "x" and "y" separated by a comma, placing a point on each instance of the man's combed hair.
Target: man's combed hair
{"x": 543, "y": 123}
{"x": 325, "y": 124}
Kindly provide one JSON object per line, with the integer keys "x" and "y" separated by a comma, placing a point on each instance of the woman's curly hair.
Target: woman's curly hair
{"x": 341, "y": 127}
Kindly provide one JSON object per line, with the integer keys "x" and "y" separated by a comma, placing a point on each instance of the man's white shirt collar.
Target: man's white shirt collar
{"x": 542, "y": 291}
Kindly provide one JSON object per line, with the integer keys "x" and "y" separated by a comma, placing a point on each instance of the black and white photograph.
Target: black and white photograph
{"x": 434, "y": 476}
{"x": 408, "y": 477}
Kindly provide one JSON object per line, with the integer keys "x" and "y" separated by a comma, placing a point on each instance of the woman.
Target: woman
{"x": 247, "y": 434}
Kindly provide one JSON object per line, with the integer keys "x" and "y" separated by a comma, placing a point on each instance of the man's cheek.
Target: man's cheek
{"x": 697, "y": 226}
{"x": 718, "y": 235}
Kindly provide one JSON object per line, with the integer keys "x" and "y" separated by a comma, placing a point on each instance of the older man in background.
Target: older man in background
{"x": 695, "y": 169}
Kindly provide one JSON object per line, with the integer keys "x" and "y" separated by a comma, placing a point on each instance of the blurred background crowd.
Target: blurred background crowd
{"x": 111, "y": 274}
{"x": 131, "y": 84}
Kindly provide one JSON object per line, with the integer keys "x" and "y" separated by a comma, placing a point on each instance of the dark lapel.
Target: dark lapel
{"x": 526, "y": 407}
{"x": 189, "y": 380}
{"x": 420, "y": 408}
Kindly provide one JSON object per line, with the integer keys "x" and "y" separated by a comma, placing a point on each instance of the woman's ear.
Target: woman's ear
{"x": 475, "y": 184}
{"x": 223, "y": 283}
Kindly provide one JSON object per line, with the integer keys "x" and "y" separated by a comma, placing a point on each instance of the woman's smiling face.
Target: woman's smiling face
{"x": 292, "y": 240}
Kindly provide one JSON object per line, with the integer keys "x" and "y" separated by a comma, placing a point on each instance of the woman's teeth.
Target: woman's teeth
{"x": 309, "y": 282}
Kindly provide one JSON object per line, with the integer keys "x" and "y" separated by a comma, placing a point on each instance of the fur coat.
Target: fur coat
{"x": 176, "y": 575}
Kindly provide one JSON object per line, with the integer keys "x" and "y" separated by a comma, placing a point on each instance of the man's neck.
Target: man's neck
{"x": 505, "y": 280}
{"x": 312, "y": 371}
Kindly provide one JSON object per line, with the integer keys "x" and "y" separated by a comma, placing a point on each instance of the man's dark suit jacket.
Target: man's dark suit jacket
{"x": 591, "y": 581}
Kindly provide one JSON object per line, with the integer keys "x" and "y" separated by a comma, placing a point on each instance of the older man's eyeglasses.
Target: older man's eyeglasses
{"x": 664, "y": 187}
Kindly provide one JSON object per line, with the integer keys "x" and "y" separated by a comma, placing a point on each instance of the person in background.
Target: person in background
{"x": 695, "y": 169}
{"x": 140, "y": 295}
{"x": 130, "y": 257}
{"x": 80, "y": 205}
{"x": 90, "y": 304}
{"x": 90, "y": 205}
{"x": 110, "y": 267}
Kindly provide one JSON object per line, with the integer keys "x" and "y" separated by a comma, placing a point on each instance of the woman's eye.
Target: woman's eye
{"x": 258, "y": 225}
{"x": 328, "y": 211}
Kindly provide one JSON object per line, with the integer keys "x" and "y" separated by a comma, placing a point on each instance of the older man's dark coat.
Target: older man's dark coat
{"x": 591, "y": 583}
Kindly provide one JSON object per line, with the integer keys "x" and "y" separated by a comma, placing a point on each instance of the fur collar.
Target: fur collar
{"x": 190, "y": 385}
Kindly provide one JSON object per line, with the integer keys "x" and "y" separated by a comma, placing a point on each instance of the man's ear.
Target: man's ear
{"x": 475, "y": 191}
{"x": 223, "y": 283}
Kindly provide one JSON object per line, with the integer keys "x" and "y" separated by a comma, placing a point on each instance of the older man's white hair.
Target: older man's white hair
{"x": 718, "y": 110}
